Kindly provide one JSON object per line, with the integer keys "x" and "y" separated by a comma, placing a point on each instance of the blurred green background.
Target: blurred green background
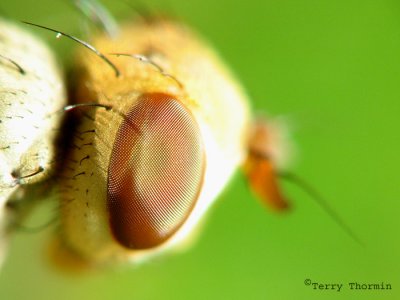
{"x": 332, "y": 68}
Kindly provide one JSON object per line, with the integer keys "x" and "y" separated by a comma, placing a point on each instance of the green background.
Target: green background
{"x": 332, "y": 68}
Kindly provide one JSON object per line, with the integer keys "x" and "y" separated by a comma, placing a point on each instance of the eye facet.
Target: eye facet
{"x": 155, "y": 173}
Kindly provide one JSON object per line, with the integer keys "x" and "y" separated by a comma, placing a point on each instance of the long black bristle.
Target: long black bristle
{"x": 85, "y": 44}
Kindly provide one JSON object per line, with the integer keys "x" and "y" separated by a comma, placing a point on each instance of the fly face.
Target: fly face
{"x": 140, "y": 175}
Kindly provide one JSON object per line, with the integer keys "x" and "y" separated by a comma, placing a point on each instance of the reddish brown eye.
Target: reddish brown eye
{"x": 155, "y": 173}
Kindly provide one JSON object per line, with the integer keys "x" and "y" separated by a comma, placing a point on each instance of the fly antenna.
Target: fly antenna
{"x": 83, "y": 43}
{"x": 314, "y": 194}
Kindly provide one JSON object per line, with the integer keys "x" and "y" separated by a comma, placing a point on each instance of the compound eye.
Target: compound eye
{"x": 155, "y": 173}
